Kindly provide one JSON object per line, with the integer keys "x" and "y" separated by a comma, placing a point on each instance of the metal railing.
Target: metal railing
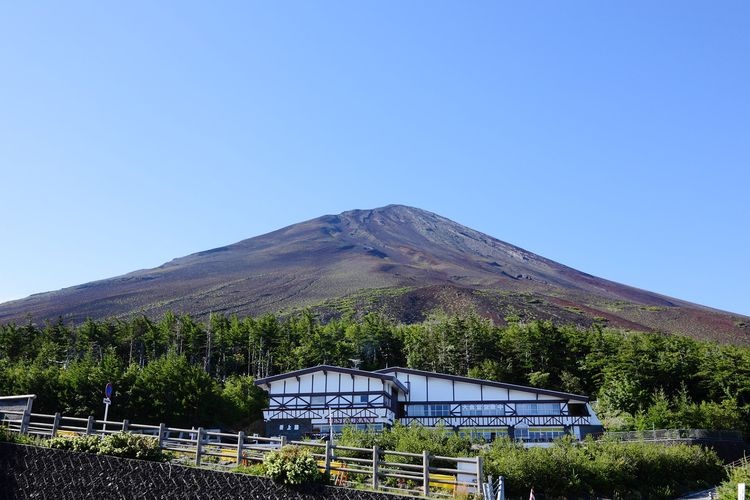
{"x": 394, "y": 471}
{"x": 675, "y": 435}
{"x": 740, "y": 462}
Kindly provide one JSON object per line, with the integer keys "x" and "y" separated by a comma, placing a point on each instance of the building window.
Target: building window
{"x": 487, "y": 434}
{"x": 430, "y": 410}
{"x": 325, "y": 429}
{"x": 521, "y": 433}
{"x": 538, "y": 434}
{"x": 363, "y": 398}
{"x": 478, "y": 410}
{"x": 578, "y": 410}
{"x": 538, "y": 408}
{"x": 317, "y": 400}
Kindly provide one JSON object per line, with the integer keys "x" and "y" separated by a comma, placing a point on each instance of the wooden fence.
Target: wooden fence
{"x": 394, "y": 471}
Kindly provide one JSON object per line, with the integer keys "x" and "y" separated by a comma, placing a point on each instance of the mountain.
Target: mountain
{"x": 400, "y": 260}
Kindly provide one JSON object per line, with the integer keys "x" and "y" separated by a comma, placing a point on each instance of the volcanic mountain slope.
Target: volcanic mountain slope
{"x": 400, "y": 260}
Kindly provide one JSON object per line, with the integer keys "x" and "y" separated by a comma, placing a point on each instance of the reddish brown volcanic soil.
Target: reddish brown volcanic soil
{"x": 403, "y": 261}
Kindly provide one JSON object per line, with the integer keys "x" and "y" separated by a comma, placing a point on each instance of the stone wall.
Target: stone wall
{"x": 29, "y": 472}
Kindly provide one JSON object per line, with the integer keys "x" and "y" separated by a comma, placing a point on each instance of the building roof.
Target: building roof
{"x": 336, "y": 369}
{"x": 492, "y": 383}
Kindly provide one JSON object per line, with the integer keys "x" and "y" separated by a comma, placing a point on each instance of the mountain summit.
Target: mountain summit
{"x": 403, "y": 261}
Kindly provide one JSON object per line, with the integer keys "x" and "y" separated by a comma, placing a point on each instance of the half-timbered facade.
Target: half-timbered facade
{"x": 488, "y": 409}
{"x": 311, "y": 400}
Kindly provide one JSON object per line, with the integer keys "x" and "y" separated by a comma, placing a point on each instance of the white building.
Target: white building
{"x": 308, "y": 401}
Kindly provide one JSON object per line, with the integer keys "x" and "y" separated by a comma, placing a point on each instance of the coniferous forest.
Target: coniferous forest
{"x": 183, "y": 372}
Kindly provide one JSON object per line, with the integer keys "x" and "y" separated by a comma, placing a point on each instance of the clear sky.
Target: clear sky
{"x": 613, "y": 137}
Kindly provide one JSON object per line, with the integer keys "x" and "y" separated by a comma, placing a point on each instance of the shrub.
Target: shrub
{"x": 292, "y": 465}
{"x": 254, "y": 469}
{"x": 8, "y": 436}
{"x": 86, "y": 444}
{"x": 81, "y": 444}
{"x": 61, "y": 443}
{"x": 610, "y": 469}
{"x": 122, "y": 444}
{"x": 126, "y": 445}
{"x": 728, "y": 489}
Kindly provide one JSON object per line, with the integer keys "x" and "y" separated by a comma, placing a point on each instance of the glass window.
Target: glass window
{"x": 363, "y": 398}
{"x": 538, "y": 434}
{"x": 544, "y": 434}
{"x": 538, "y": 408}
{"x": 416, "y": 410}
{"x": 431, "y": 410}
{"x": 491, "y": 409}
{"x": 317, "y": 400}
{"x": 487, "y": 434}
{"x": 440, "y": 410}
{"x": 521, "y": 433}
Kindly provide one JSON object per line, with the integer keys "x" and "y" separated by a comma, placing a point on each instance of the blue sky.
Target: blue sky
{"x": 613, "y": 137}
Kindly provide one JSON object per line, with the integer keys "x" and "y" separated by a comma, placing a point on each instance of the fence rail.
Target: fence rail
{"x": 741, "y": 462}
{"x": 392, "y": 471}
{"x": 675, "y": 435}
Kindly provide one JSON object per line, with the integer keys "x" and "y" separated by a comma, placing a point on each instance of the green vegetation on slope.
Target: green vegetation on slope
{"x": 182, "y": 372}
{"x": 567, "y": 469}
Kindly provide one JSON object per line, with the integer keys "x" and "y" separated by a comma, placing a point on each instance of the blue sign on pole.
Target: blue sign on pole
{"x": 108, "y": 390}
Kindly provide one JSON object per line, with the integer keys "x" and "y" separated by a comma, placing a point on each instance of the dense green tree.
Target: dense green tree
{"x": 171, "y": 389}
{"x": 639, "y": 379}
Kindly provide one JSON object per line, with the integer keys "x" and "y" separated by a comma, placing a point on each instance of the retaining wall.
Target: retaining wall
{"x": 30, "y": 472}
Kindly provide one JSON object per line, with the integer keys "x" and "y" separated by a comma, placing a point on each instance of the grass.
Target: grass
{"x": 651, "y": 308}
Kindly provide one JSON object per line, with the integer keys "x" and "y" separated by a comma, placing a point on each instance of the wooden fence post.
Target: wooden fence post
{"x": 375, "y": 467}
{"x": 282, "y": 442}
{"x": 329, "y": 453}
{"x": 480, "y": 466}
{"x": 56, "y": 423}
{"x": 90, "y": 425}
{"x": 125, "y": 425}
{"x": 426, "y": 473}
{"x": 198, "y": 440}
{"x": 25, "y": 419}
{"x": 162, "y": 429}
{"x": 240, "y": 444}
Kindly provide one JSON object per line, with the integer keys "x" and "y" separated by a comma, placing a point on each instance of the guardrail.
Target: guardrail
{"x": 675, "y": 435}
{"x": 393, "y": 471}
{"x": 741, "y": 462}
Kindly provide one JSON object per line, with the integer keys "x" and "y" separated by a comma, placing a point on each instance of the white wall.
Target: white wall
{"x": 322, "y": 383}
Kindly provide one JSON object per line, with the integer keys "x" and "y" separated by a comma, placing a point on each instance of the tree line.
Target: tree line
{"x": 185, "y": 372}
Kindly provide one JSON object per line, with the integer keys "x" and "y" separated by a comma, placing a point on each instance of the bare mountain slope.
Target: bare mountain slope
{"x": 405, "y": 261}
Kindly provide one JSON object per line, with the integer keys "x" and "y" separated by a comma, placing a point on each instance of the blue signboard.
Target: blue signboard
{"x": 108, "y": 390}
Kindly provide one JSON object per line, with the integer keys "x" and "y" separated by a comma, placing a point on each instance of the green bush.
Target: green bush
{"x": 292, "y": 465}
{"x": 61, "y": 443}
{"x": 81, "y": 444}
{"x": 126, "y": 445}
{"x": 728, "y": 489}
{"x": 609, "y": 469}
{"x": 122, "y": 444}
{"x": 412, "y": 439}
{"x": 8, "y": 436}
{"x": 254, "y": 469}
{"x": 87, "y": 444}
